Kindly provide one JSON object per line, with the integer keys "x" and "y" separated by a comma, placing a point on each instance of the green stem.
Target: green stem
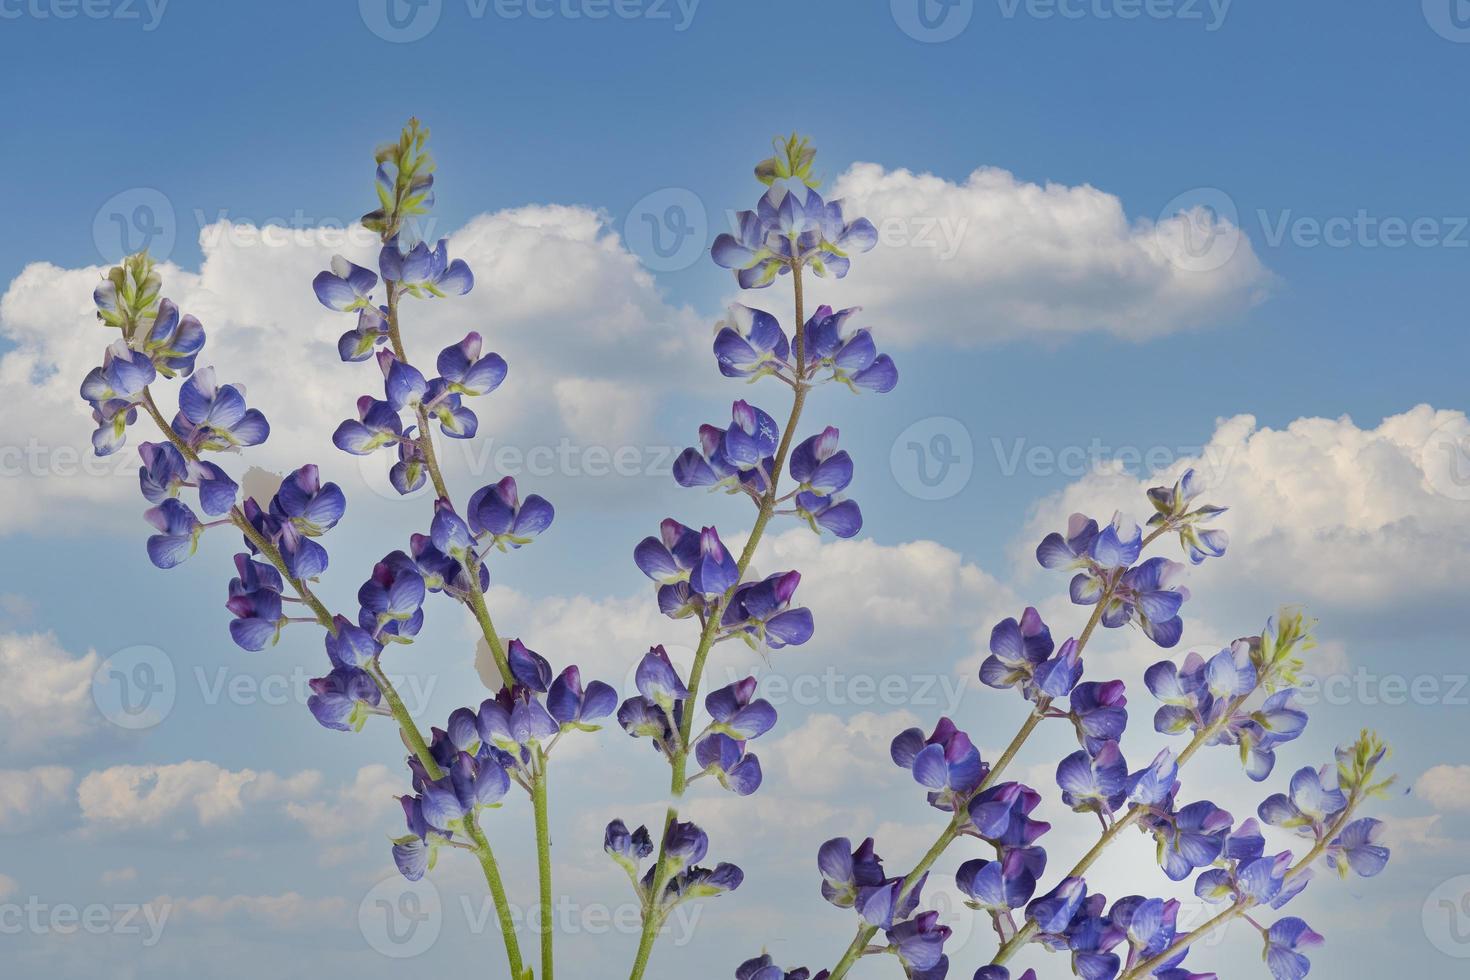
{"x": 497, "y": 894}
{"x": 679, "y": 781}
{"x": 406, "y": 724}
{"x": 543, "y": 861}
{"x": 865, "y": 933}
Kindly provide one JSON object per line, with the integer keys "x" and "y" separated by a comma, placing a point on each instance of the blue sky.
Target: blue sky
{"x": 1040, "y": 314}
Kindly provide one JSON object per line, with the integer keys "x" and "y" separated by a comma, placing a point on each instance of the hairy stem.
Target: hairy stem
{"x": 543, "y": 863}
{"x": 406, "y": 724}
{"x": 679, "y": 781}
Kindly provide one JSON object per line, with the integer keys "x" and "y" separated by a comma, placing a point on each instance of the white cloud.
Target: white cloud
{"x": 45, "y": 692}
{"x": 556, "y": 294}
{"x": 290, "y": 911}
{"x": 1446, "y": 788}
{"x": 997, "y": 258}
{"x": 828, "y": 754}
{"x": 1322, "y": 510}
{"x": 183, "y": 794}
{"x": 29, "y": 797}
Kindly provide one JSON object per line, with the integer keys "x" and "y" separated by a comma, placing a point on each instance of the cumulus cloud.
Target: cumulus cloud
{"x": 31, "y": 798}
{"x": 1446, "y": 788}
{"x": 556, "y": 294}
{"x": 996, "y": 258}
{"x": 45, "y": 692}
{"x": 289, "y": 911}
{"x": 183, "y": 795}
{"x": 827, "y": 753}
{"x": 1323, "y": 510}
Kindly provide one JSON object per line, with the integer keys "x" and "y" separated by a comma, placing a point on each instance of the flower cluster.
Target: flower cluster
{"x": 1242, "y": 696}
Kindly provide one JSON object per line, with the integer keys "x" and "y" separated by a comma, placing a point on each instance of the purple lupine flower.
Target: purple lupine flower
{"x": 1148, "y": 924}
{"x": 761, "y": 613}
{"x": 343, "y": 700}
{"x": 412, "y": 469}
{"x": 1053, "y": 911}
{"x": 1193, "y": 837}
{"x": 847, "y": 873}
{"x": 751, "y": 344}
{"x": 392, "y": 599}
{"x": 715, "y": 571}
{"x": 163, "y": 472}
{"x": 1275, "y": 723}
{"x": 1357, "y": 849}
{"x": 404, "y": 385}
{"x": 345, "y": 287}
{"x": 735, "y": 458}
{"x": 738, "y": 713}
{"x": 658, "y": 681}
{"x": 416, "y": 853}
{"x": 727, "y": 760}
{"x": 762, "y": 968}
{"x": 1001, "y": 973}
{"x": 350, "y": 645}
{"x": 1156, "y": 784}
{"x": 1016, "y": 649}
{"x": 370, "y": 333}
{"x": 946, "y": 763}
{"x": 1056, "y": 677}
{"x": 1099, "y": 711}
{"x": 173, "y": 341}
{"x": 456, "y": 420}
{"x": 217, "y": 491}
{"x": 529, "y": 668}
{"x": 852, "y": 358}
{"x": 1310, "y": 807}
{"x": 629, "y": 850}
{"x": 999, "y": 885}
{"x": 1094, "y": 782}
{"x": 1150, "y": 594}
{"x": 423, "y": 273}
{"x": 377, "y": 425}
{"x": 822, "y": 471}
{"x": 1001, "y": 814}
{"x": 303, "y": 500}
{"x": 178, "y": 533}
{"x": 818, "y": 465}
{"x": 213, "y": 417}
{"x": 842, "y": 517}
{"x": 498, "y": 511}
{"x": 669, "y": 560}
{"x": 788, "y": 229}
{"x": 1072, "y": 551}
{"x": 573, "y": 706}
{"x": 122, "y": 377}
{"x": 1283, "y": 940}
{"x": 1173, "y": 512}
{"x": 255, "y": 602}
{"x": 466, "y": 371}
{"x": 919, "y": 943}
